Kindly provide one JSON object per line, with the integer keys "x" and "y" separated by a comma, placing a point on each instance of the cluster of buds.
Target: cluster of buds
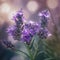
{"x": 44, "y": 15}
{"x": 15, "y": 30}
{"x": 29, "y": 30}
{"x": 7, "y": 44}
{"x": 25, "y": 32}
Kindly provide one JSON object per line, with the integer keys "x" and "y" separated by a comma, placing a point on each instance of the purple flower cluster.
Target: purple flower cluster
{"x": 44, "y": 15}
{"x": 25, "y": 32}
{"x": 29, "y": 30}
{"x": 15, "y": 30}
{"x": 18, "y": 18}
{"x": 8, "y": 44}
{"x": 43, "y": 33}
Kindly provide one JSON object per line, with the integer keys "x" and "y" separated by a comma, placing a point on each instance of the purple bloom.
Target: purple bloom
{"x": 8, "y": 44}
{"x": 14, "y": 31}
{"x": 43, "y": 33}
{"x": 29, "y": 30}
{"x": 44, "y": 21}
{"x": 45, "y": 13}
{"x": 33, "y": 28}
{"x": 25, "y": 32}
{"x": 10, "y": 29}
{"x": 43, "y": 17}
{"x": 18, "y": 18}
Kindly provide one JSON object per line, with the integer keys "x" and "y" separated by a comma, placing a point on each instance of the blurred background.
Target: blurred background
{"x": 30, "y": 8}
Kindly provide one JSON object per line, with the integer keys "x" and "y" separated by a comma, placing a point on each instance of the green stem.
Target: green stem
{"x": 35, "y": 54}
{"x": 30, "y": 54}
{"x": 16, "y": 50}
{"x": 37, "y": 49}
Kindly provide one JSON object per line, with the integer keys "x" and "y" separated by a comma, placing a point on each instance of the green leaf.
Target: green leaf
{"x": 49, "y": 59}
{"x": 31, "y": 43}
{"x": 19, "y": 51}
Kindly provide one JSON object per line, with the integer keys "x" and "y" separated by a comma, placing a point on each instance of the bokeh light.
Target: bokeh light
{"x": 52, "y": 3}
{"x": 5, "y": 8}
{"x": 32, "y": 6}
{"x": 11, "y": 14}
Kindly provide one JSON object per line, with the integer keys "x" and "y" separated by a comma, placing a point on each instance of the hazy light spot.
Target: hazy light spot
{"x": 52, "y": 3}
{"x": 32, "y": 6}
{"x": 5, "y": 8}
{"x": 11, "y": 14}
{"x": 49, "y": 34}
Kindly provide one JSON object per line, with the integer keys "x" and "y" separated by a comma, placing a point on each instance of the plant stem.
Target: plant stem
{"x": 21, "y": 52}
{"x": 30, "y": 54}
{"x": 35, "y": 54}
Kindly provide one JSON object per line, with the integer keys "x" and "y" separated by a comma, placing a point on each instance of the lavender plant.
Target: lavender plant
{"x": 15, "y": 30}
{"x": 31, "y": 34}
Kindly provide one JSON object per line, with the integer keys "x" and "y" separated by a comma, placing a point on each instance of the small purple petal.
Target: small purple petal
{"x": 45, "y": 13}
{"x": 43, "y": 33}
{"x": 18, "y": 18}
{"x": 10, "y": 29}
{"x": 29, "y": 31}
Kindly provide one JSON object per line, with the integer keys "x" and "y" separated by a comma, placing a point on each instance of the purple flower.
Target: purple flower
{"x": 45, "y": 13}
{"x": 8, "y": 44}
{"x": 43, "y": 33}
{"x": 10, "y": 29}
{"x": 29, "y": 30}
{"x": 44, "y": 21}
{"x": 43, "y": 18}
{"x": 25, "y": 31}
{"x": 18, "y": 17}
{"x": 14, "y": 31}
